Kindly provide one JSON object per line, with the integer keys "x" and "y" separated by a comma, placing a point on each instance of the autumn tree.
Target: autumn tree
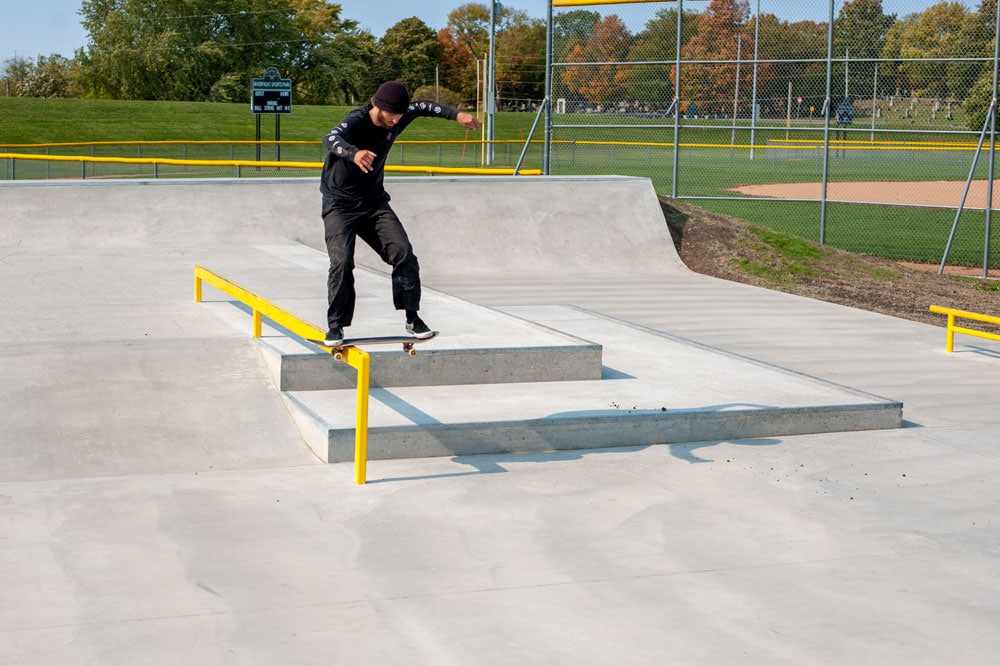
{"x": 470, "y": 25}
{"x": 520, "y": 48}
{"x": 720, "y": 36}
{"x": 600, "y": 83}
{"x": 457, "y": 65}
{"x": 570, "y": 30}
{"x": 521, "y": 58}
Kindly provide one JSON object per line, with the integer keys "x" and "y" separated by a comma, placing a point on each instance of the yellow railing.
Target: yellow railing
{"x": 954, "y": 314}
{"x": 154, "y": 161}
{"x": 352, "y": 356}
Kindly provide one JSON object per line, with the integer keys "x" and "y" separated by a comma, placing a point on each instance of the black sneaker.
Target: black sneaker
{"x": 418, "y": 329}
{"x": 334, "y": 337}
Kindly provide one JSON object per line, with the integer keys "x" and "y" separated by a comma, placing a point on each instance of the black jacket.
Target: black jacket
{"x": 342, "y": 181}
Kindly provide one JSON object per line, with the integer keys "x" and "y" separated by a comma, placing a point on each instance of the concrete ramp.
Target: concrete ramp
{"x": 603, "y": 225}
{"x": 103, "y": 271}
{"x": 459, "y": 226}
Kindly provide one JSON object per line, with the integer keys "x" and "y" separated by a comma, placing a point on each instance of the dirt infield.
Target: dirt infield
{"x": 916, "y": 193}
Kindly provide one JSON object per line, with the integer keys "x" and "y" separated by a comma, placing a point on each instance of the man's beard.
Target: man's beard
{"x": 382, "y": 119}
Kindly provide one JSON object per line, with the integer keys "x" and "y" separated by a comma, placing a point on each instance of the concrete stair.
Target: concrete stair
{"x": 651, "y": 389}
{"x": 524, "y": 379}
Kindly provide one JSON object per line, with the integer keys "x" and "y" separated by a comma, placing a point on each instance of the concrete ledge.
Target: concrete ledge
{"x": 641, "y": 428}
{"x": 656, "y": 389}
{"x": 316, "y": 371}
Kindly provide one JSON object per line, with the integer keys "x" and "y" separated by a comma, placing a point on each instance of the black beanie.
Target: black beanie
{"x": 392, "y": 97}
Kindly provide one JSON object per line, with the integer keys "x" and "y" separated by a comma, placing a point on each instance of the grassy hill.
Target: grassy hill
{"x": 33, "y": 120}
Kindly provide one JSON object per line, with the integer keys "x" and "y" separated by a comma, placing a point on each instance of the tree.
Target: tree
{"x": 457, "y": 66}
{"x": 653, "y": 84}
{"x": 979, "y": 31}
{"x": 975, "y": 39}
{"x": 521, "y": 58}
{"x": 520, "y": 48}
{"x": 50, "y": 76}
{"x": 977, "y": 104}
{"x": 600, "y": 83}
{"x": 859, "y": 31}
{"x": 720, "y": 36}
{"x": 470, "y": 24}
{"x": 408, "y": 52}
{"x": 16, "y": 70}
{"x": 861, "y": 27}
{"x": 934, "y": 33}
{"x": 331, "y": 62}
{"x": 571, "y": 29}
{"x": 210, "y": 49}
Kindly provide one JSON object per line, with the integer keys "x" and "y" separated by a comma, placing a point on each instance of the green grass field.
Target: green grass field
{"x": 712, "y": 159}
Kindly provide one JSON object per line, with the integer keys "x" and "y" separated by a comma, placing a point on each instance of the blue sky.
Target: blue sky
{"x": 44, "y": 27}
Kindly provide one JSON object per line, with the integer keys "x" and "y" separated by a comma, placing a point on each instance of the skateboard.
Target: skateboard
{"x": 407, "y": 341}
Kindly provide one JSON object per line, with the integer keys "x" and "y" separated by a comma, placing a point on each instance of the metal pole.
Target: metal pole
{"x": 531, "y": 133}
{"x": 277, "y": 137}
{"x": 547, "y": 151}
{"x": 677, "y": 106}
{"x": 968, "y": 182}
{"x": 993, "y": 143}
{"x": 826, "y": 128}
{"x": 753, "y": 94}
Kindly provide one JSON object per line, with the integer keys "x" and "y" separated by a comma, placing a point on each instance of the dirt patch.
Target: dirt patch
{"x": 915, "y": 193}
{"x": 736, "y": 250}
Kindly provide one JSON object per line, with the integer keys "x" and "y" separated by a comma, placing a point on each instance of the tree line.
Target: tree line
{"x": 209, "y": 50}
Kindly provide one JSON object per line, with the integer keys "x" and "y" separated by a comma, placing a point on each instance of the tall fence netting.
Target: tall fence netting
{"x": 862, "y": 137}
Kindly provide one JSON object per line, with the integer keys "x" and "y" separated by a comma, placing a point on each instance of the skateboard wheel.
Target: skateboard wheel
{"x": 338, "y": 356}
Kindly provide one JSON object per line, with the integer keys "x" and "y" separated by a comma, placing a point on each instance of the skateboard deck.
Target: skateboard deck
{"x": 407, "y": 341}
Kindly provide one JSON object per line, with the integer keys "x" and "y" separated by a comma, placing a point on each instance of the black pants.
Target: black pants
{"x": 377, "y": 225}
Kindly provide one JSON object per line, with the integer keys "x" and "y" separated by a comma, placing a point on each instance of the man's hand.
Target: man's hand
{"x": 364, "y": 159}
{"x": 467, "y": 120}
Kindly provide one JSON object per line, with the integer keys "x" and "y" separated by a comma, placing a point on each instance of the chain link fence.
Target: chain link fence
{"x": 832, "y": 121}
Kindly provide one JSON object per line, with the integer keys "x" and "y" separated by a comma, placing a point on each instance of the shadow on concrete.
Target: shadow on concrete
{"x": 494, "y": 463}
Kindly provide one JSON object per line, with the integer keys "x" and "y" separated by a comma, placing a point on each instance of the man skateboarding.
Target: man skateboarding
{"x": 355, "y": 204}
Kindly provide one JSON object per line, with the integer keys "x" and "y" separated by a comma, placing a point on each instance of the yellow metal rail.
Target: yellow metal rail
{"x": 954, "y": 314}
{"x": 352, "y": 356}
{"x": 451, "y": 171}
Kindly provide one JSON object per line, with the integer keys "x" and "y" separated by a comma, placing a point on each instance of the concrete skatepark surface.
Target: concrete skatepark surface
{"x": 158, "y": 504}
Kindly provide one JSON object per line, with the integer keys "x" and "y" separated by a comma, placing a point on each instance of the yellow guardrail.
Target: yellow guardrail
{"x": 352, "y": 356}
{"x": 451, "y": 171}
{"x": 954, "y": 314}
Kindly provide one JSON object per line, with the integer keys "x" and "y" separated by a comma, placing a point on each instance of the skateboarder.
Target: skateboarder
{"x": 355, "y": 203}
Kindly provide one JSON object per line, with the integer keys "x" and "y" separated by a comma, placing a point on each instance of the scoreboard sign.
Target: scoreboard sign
{"x": 271, "y": 94}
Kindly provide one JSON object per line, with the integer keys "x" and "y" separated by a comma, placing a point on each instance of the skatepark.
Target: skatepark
{"x": 603, "y": 457}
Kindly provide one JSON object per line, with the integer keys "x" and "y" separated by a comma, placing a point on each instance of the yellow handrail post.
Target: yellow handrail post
{"x": 361, "y": 421}
{"x": 949, "y": 344}
{"x": 352, "y": 356}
